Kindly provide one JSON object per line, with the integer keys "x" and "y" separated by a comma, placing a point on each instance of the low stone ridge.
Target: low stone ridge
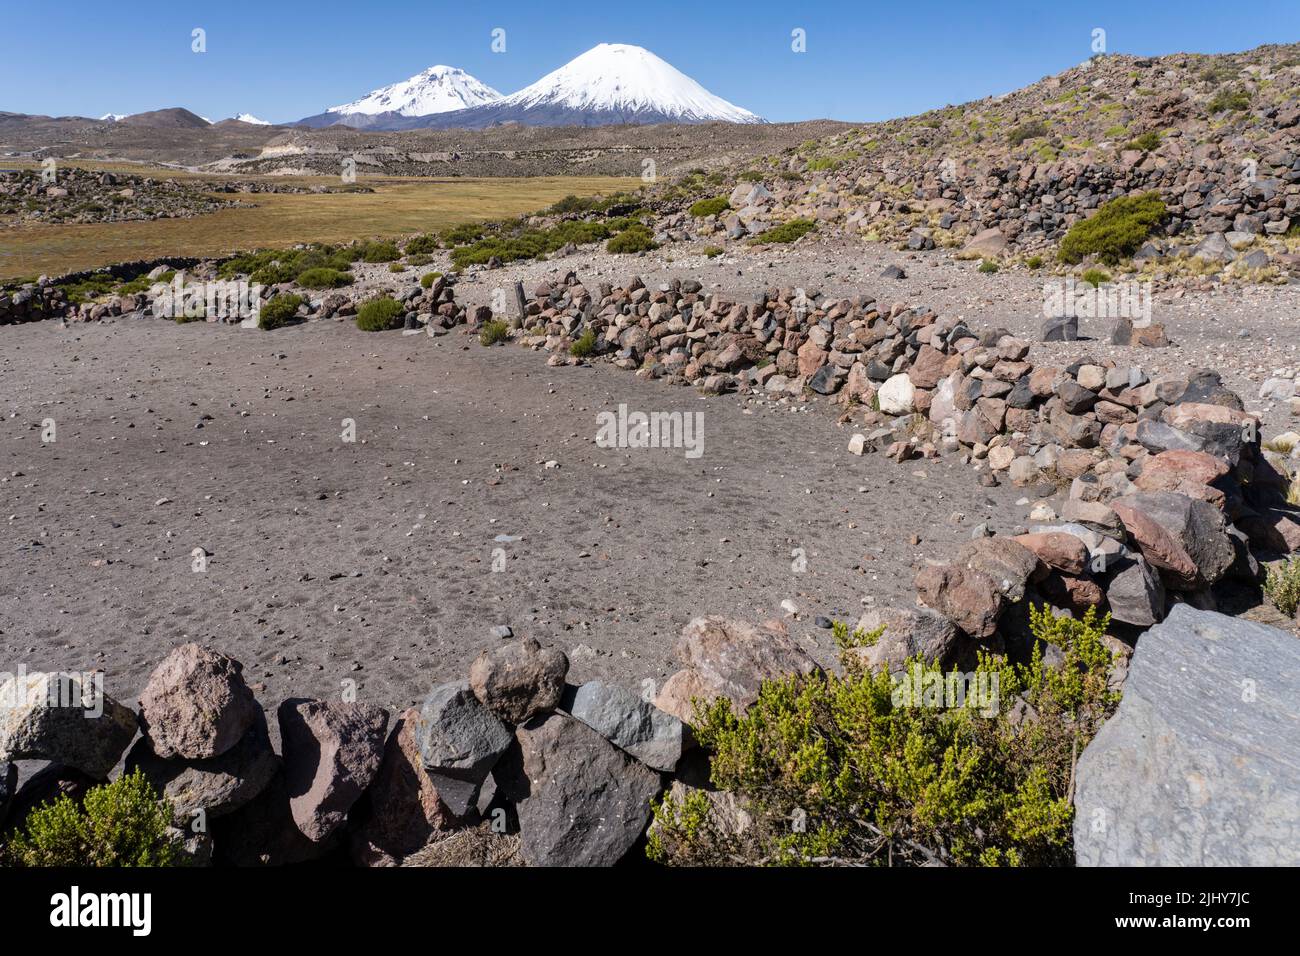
{"x": 196, "y": 704}
{"x": 1200, "y": 765}
{"x": 61, "y": 718}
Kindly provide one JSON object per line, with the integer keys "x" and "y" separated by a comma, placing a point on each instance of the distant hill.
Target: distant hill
{"x": 173, "y": 118}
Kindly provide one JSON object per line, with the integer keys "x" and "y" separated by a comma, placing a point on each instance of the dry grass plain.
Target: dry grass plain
{"x": 397, "y": 207}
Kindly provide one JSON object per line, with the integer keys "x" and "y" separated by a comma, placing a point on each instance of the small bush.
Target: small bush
{"x": 988, "y": 265}
{"x": 1095, "y": 277}
{"x": 429, "y": 278}
{"x": 635, "y": 238}
{"x": 379, "y": 315}
{"x": 709, "y": 207}
{"x": 419, "y": 259}
{"x": 1116, "y": 230}
{"x": 585, "y": 345}
{"x": 377, "y": 252}
{"x": 1229, "y": 100}
{"x": 712, "y": 252}
{"x": 324, "y": 279}
{"x": 751, "y": 176}
{"x": 786, "y": 232}
{"x": 463, "y": 234}
{"x": 1030, "y": 130}
{"x": 1034, "y": 262}
{"x": 1146, "y": 142}
{"x": 1282, "y": 586}
{"x": 493, "y": 332}
{"x": 280, "y": 311}
{"x": 122, "y": 823}
{"x": 422, "y": 245}
{"x": 880, "y": 778}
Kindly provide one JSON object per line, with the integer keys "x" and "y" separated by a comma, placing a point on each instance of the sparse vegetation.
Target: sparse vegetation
{"x": 376, "y": 252}
{"x": 1282, "y": 586}
{"x": 493, "y": 331}
{"x": 635, "y": 238}
{"x": 786, "y": 232}
{"x": 1229, "y": 100}
{"x": 880, "y": 777}
{"x": 422, "y": 245}
{"x": 1095, "y": 277}
{"x": 712, "y": 252}
{"x": 429, "y": 278}
{"x": 709, "y": 207}
{"x": 279, "y": 311}
{"x": 988, "y": 265}
{"x": 1115, "y": 231}
{"x": 379, "y": 315}
{"x": 122, "y": 823}
{"x": 1024, "y": 131}
{"x": 324, "y": 279}
{"x": 1145, "y": 143}
{"x": 584, "y": 345}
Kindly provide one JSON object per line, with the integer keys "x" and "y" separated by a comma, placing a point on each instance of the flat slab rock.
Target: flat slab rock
{"x": 1200, "y": 765}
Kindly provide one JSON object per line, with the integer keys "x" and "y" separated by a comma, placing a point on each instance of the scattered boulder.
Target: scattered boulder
{"x": 196, "y": 704}
{"x": 907, "y": 632}
{"x": 331, "y": 753}
{"x": 1185, "y": 538}
{"x": 969, "y": 598}
{"x": 519, "y": 680}
{"x": 628, "y": 722}
{"x": 62, "y": 718}
{"x": 580, "y": 800}
{"x": 1200, "y": 765}
{"x": 460, "y": 741}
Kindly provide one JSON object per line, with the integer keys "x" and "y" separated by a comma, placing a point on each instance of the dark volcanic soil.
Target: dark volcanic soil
{"x": 372, "y": 561}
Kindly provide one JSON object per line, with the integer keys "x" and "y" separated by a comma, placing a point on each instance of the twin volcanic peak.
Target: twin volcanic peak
{"x": 609, "y": 84}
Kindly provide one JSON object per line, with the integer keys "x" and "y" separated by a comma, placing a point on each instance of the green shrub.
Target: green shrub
{"x": 1282, "y": 586}
{"x": 712, "y": 252}
{"x": 122, "y": 823}
{"x": 419, "y": 259}
{"x": 635, "y": 238}
{"x": 873, "y": 776}
{"x": 585, "y": 344}
{"x": 493, "y": 332}
{"x": 988, "y": 265}
{"x": 824, "y": 164}
{"x": 1146, "y": 142}
{"x": 376, "y": 252}
{"x": 380, "y": 315}
{"x": 786, "y": 232}
{"x": 1034, "y": 262}
{"x": 1095, "y": 277}
{"x": 422, "y": 245}
{"x": 751, "y": 176}
{"x": 429, "y": 278}
{"x": 1030, "y": 130}
{"x": 396, "y": 267}
{"x": 1234, "y": 100}
{"x": 279, "y": 311}
{"x": 324, "y": 278}
{"x": 709, "y": 207}
{"x": 1116, "y": 230}
{"x": 463, "y": 234}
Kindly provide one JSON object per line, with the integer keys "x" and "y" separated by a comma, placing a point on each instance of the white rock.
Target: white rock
{"x": 897, "y": 395}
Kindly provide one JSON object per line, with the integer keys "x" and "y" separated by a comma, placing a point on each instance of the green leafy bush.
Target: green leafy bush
{"x": 988, "y": 265}
{"x": 396, "y": 267}
{"x": 379, "y": 315}
{"x": 1116, "y": 230}
{"x": 422, "y": 245}
{"x": 376, "y": 252}
{"x": 786, "y": 232}
{"x": 122, "y": 823}
{"x": 879, "y": 769}
{"x": 324, "y": 278}
{"x": 712, "y": 252}
{"x": 585, "y": 344}
{"x": 1034, "y": 262}
{"x": 463, "y": 234}
{"x": 709, "y": 207}
{"x": 429, "y": 278}
{"x": 279, "y": 311}
{"x": 635, "y": 238}
{"x": 493, "y": 332}
{"x": 1095, "y": 277}
{"x": 1282, "y": 586}
{"x": 274, "y": 266}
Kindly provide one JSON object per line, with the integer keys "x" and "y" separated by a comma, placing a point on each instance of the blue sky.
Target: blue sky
{"x": 865, "y": 60}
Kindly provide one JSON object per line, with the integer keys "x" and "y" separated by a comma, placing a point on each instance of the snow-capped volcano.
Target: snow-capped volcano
{"x": 439, "y": 89}
{"x": 628, "y": 80}
{"x": 250, "y": 119}
{"x": 609, "y": 84}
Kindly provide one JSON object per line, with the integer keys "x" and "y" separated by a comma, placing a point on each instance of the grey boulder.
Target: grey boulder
{"x": 61, "y": 718}
{"x": 460, "y": 740}
{"x": 628, "y": 722}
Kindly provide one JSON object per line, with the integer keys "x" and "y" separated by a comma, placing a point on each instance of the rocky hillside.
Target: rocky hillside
{"x": 1214, "y": 136}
